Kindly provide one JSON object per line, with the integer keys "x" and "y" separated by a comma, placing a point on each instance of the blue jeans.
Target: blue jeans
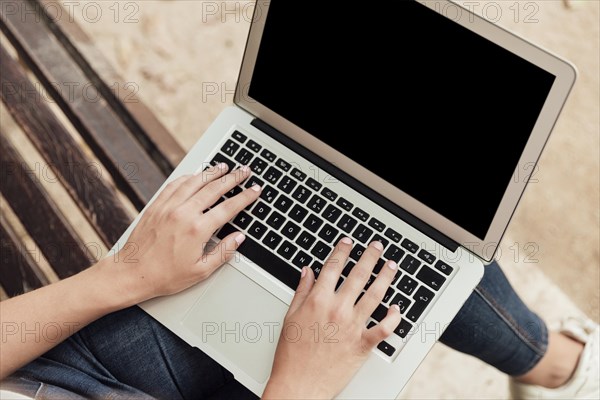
{"x": 128, "y": 354}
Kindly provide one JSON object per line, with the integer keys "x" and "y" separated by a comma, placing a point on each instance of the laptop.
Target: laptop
{"x": 412, "y": 123}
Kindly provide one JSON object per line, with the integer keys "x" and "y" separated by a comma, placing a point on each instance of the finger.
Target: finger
{"x": 332, "y": 269}
{"x": 307, "y": 280}
{"x": 228, "y": 209}
{"x": 222, "y": 253}
{"x": 373, "y": 296}
{"x": 361, "y": 272}
{"x": 196, "y": 182}
{"x": 214, "y": 190}
{"x": 372, "y": 337}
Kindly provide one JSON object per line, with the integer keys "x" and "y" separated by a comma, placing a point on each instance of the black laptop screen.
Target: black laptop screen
{"x": 431, "y": 107}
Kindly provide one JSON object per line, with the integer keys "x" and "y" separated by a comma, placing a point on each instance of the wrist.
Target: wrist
{"x": 283, "y": 389}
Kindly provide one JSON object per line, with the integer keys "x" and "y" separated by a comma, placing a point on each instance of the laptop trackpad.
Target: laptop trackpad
{"x": 240, "y": 320}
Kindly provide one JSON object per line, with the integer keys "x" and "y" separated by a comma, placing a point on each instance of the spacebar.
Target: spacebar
{"x": 265, "y": 259}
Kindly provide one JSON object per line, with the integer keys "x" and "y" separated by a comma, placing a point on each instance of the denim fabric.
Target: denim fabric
{"x": 129, "y": 355}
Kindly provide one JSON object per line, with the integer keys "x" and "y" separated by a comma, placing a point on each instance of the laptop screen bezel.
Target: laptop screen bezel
{"x": 484, "y": 248}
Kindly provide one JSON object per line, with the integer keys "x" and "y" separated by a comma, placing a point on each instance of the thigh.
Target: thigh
{"x": 495, "y": 326}
{"x": 128, "y": 354}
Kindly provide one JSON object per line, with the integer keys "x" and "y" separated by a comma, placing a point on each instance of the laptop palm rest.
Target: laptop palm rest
{"x": 240, "y": 320}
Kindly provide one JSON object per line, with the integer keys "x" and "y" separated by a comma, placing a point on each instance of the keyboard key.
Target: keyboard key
{"x": 328, "y": 233}
{"x": 388, "y": 295}
{"x": 298, "y": 213}
{"x": 332, "y": 213}
{"x": 386, "y": 348}
{"x": 287, "y": 250}
{"x": 376, "y": 224}
{"x": 426, "y": 256}
{"x": 339, "y": 283}
{"x": 430, "y": 278}
{"x": 321, "y": 250}
{"x": 316, "y": 204}
{"x": 357, "y": 252}
{"x": 443, "y": 267}
{"x": 275, "y": 220}
{"x": 371, "y": 323}
{"x": 290, "y": 230}
{"x": 407, "y": 285}
{"x": 220, "y": 158}
{"x": 301, "y": 194}
{"x": 403, "y": 328}
{"x": 269, "y": 194}
{"x": 369, "y": 282}
{"x": 394, "y": 253}
{"x": 255, "y": 147}
{"x": 379, "y": 313}
{"x": 287, "y": 184}
{"x": 422, "y": 299}
{"x": 360, "y": 214}
{"x": 347, "y": 223}
{"x": 302, "y": 259}
{"x": 313, "y": 184}
{"x": 258, "y": 165}
{"x": 345, "y": 204}
{"x": 410, "y": 245}
{"x": 268, "y": 155}
{"x": 329, "y": 194}
{"x": 272, "y": 175}
{"x": 261, "y": 210}
{"x": 244, "y": 157}
{"x": 233, "y": 192}
{"x": 410, "y": 264}
{"x": 296, "y": 173}
{"x": 242, "y": 220}
{"x": 305, "y": 240}
{"x": 362, "y": 233}
{"x": 316, "y": 267}
{"x": 283, "y": 203}
{"x": 313, "y": 223}
{"x": 396, "y": 277}
{"x": 402, "y": 302}
{"x": 240, "y": 137}
{"x": 268, "y": 261}
{"x": 257, "y": 230}
{"x": 381, "y": 239}
{"x": 230, "y": 147}
{"x": 392, "y": 234}
{"x": 380, "y": 263}
{"x": 284, "y": 165}
{"x": 253, "y": 180}
{"x": 348, "y": 268}
{"x": 271, "y": 240}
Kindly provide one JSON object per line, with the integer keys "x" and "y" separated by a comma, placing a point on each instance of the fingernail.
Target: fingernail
{"x": 396, "y": 307}
{"x": 245, "y": 169}
{"x": 377, "y": 244}
{"x": 239, "y": 239}
{"x": 392, "y": 265}
{"x": 303, "y": 273}
{"x": 223, "y": 166}
{"x": 256, "y": 188}
{"x": 346, "y": 240}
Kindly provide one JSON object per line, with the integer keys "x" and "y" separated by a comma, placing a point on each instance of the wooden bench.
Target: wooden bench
{"x": 66, "y": 130}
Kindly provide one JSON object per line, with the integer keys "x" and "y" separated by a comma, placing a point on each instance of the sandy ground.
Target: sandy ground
{"x": 184, "y": 58}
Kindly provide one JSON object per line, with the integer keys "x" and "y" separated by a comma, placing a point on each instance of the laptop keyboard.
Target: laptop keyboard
{"x": 297, "y": 221}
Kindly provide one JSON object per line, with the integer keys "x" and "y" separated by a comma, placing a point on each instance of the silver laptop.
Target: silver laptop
{"x": 403, "y": 123}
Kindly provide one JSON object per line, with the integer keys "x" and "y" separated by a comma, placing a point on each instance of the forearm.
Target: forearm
{"x": 33, "y": 323}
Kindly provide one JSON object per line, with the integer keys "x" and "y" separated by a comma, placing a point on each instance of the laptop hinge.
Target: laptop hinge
{"x": 357, "y": 185}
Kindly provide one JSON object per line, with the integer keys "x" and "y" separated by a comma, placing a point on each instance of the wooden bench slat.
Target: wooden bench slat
{"x": 134, "y": 172}
{"x": 18, "y": 271}
{"x": 162, "y": 146}
{"x": 97, "y": 200}
{"x": 43, "y": 221}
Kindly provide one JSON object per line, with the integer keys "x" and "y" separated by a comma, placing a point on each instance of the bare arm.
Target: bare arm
{"x": 169, "y": 257}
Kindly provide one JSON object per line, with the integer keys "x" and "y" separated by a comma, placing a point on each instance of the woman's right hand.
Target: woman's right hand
{"x": 324, "y": 340}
